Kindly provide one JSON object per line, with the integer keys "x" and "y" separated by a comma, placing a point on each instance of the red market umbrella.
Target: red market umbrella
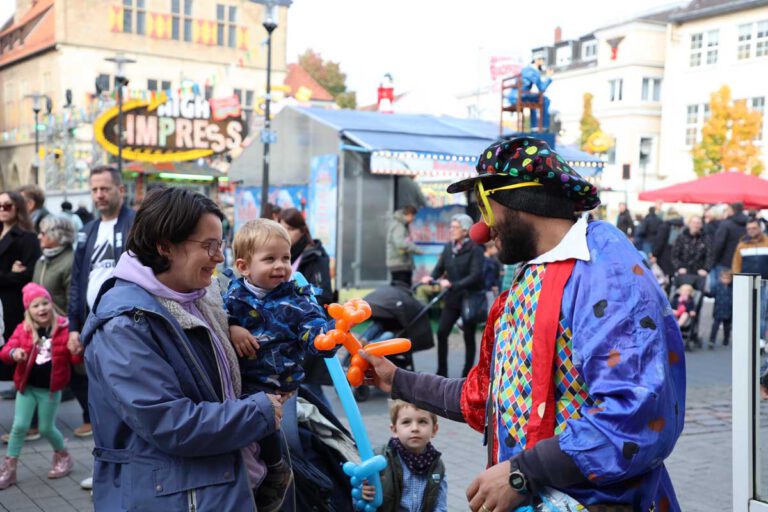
{"x": 723, "y": 187}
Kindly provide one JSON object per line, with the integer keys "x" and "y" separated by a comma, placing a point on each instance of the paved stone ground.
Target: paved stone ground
{"x": 700, "y": 465}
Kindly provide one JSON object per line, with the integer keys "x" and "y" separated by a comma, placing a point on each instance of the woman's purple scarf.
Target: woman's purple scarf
{"x": 130, "y": 269}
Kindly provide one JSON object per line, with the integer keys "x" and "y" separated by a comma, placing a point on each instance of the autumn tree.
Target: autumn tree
{"x": 728, "y": 137}
{"x": 328, "y": 74}
{"x": 589, "y": 123}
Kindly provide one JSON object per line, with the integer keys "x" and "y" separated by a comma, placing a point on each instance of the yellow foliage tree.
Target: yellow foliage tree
{"x": 728, "y": 137}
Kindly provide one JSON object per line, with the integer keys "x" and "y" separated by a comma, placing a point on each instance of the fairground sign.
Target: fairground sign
{"x": 173, "y": 129}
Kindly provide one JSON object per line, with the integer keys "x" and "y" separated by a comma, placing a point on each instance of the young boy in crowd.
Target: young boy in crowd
{"x": 284, "y": 320}
{"x": 723, "y": 312}
{"x": 414, "y": 479}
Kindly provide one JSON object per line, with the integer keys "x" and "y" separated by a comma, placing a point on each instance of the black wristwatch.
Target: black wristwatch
{"x": 518, "y": 481}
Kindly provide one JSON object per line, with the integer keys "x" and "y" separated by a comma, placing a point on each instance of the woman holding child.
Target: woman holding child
{"x": 170, "y": 432}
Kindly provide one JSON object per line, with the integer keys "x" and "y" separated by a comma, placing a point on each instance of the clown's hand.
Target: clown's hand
{"x": 383, "y": 371}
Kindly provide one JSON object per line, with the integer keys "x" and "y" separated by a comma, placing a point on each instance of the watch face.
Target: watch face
{"x": 517, "y": 481}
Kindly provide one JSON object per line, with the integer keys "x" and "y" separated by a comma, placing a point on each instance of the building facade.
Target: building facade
{"x": 210, "y": 47}
{"x": 710, "y": 44}
{"x": 622, "y": 67}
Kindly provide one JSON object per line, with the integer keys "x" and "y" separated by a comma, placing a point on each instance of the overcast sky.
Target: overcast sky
{"x": 434, "y": 44}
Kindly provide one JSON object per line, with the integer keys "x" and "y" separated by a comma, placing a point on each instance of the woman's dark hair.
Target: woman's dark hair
{"x": 295, "y": 219}
{"x": 22, "y": 215}
{"x": 166, "y": 215}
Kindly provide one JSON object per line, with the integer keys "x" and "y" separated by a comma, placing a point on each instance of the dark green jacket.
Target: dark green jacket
{"x": 392, "y": 483}
{"x": 55, "y": 274}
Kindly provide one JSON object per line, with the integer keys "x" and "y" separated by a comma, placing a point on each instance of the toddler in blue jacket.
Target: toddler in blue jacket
{"x": 284, "y": 320}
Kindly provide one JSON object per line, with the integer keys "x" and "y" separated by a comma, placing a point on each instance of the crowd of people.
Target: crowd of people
{"x": 701, "y": 252}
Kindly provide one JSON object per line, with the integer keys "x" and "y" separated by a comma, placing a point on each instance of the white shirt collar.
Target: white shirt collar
{"x": 573, "y": 245}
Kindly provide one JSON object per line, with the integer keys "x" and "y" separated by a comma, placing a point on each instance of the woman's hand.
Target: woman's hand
{"x": 277, "y": 406}
{"x": 426, "y": 279}
{"x": 244, "y": 342}
{"x": 18, "y": 267}
{"x": 383, "y": 371}
{"x": 19, "y": 355}
{"x": 445, "y": 284}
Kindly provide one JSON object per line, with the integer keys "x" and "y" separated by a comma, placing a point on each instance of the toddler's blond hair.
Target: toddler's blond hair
{"x": 396, "y": 406}
{"x": 256, "y": 233}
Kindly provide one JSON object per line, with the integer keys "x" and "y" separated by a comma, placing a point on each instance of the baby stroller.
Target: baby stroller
{"x": 396, "y": 313}
{"x": 690, "y": 329}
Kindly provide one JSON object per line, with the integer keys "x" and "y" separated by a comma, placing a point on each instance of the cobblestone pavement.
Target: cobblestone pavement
{"x": 700, "y": 465}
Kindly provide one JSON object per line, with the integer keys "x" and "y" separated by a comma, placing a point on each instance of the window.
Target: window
{"x": 165, "y": 85}
{"x": 758, "y": 105}
{"x": 696, "y": 116}
{"x": 208, "y": 92}
{"x": 749, "y": 33}
{"x": 220, "y": 10}
{"x": 175, "y": 19}
{"x": 232, "y": 28}
{"x": 141, "y": 17}
{"x": 761, "y": 39}
{"x": 696, "y": 43}
{"x": 248, "y": 106}
{"x": 151, "y": 85}
{"x": 589, "y": 50}
{"x": 239, "y": 94}
{"x": 651, "y": 89}
{"x": 102, "y": 83}
{"x": 127, "y": 15}
{"x": 691, "y": 122}
{"x": 188, "y": 23}
{"x": 540, "y": 54}
{"x": 745, "y": 41}
{"x": 563, "y": 55}
{"x": 616, "y": 89}
{"x": 713, "y": 42}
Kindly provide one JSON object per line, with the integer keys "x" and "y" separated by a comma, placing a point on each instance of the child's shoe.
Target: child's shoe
{"x": 271, "y": 492}
{"x": 8, "y": 472}
{"x": 62, "y": 464}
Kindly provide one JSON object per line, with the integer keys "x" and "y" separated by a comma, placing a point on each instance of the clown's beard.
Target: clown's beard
{"x": 516, "y": 239}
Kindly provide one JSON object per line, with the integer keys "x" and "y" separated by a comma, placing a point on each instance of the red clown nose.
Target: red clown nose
{"x": 480, "y": 233}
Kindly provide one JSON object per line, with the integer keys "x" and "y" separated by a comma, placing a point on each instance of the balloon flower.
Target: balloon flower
{"x": 347, "y": 316}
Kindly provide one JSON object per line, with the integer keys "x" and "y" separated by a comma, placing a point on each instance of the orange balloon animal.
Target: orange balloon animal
{"x": 347, "y": 316}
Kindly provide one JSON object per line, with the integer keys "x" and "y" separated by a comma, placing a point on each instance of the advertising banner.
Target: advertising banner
{"x": 322, "y": 209}
{"x": 248, "y": 201}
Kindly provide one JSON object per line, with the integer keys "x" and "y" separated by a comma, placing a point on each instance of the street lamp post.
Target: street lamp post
{"x": 270, "y": 24}
{"x": 36, "y": 107}
{"x": 120, "y": 61}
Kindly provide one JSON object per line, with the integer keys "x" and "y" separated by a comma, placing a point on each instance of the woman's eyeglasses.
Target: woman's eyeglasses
{"x": 6, "y": 207}
{"x": 213, "y": 247}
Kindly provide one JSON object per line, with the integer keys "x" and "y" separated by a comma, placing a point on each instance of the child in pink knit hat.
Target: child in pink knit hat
{"x": 38, "y": 348}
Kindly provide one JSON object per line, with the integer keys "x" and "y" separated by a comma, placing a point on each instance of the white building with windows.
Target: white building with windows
{"x": 710, "y": 44}
{"x": 622, "y": 66}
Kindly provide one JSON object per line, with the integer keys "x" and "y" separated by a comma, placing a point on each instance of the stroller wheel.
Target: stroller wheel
{"x": 362, "y": 393}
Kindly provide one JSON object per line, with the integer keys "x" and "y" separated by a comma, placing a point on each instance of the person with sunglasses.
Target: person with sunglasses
{"x": 580, "y": 387}
{"x": 19, "y": 250}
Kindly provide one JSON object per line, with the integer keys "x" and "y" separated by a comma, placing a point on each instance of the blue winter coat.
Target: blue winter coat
{"x": 285, "y": 321}
{"x": 163, "y": 440}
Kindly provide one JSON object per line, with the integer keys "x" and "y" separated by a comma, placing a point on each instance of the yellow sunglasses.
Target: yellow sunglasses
{"x": 483, "y": 195}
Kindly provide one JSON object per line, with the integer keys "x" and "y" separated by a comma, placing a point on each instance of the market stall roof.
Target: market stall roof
{"x": 419, "y": 137}
{"x": 723, "y": 187}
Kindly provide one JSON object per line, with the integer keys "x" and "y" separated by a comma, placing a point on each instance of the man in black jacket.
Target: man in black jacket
{"x": 99, "y": 245}
{"x": 649, "y": 228}
{"x": 624, "y": 221}
{"x": 727, "y": 237}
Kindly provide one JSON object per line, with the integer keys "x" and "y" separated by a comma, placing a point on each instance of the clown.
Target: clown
{"x": 580, "y": 386}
